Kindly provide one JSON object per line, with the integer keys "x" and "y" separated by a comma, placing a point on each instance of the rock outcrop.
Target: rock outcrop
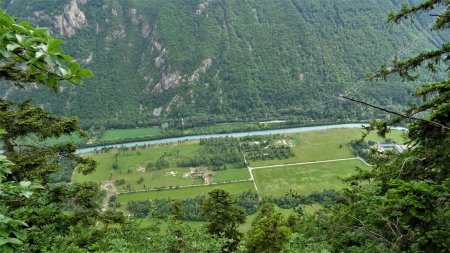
{"x": 71, "y": 19}
{"x": 205, "y": 65}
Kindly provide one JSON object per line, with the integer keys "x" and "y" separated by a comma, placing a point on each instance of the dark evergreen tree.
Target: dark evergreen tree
{"x": 269, "y": 232}
{"x": 223, "y": 217}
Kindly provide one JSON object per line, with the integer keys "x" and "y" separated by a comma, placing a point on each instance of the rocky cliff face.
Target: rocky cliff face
{"x": 71, "y": 19}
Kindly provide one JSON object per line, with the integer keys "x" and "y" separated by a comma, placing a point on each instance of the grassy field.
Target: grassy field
{"x": 116, "y": 134}
{"x": 304, "y": 179}
{"x": 132, "y": 162}
{"x": 323, "y": 145}
{"x": 308, "y": 146}
{"x": 183, "y": 193}
{"x": 231, "y": 174}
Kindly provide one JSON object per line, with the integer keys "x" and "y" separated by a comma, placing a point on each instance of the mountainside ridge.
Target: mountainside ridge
{"x": 204, "y": 61}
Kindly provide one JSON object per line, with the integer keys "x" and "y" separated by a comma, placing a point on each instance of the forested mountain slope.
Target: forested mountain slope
{"x": 217, "y": 60}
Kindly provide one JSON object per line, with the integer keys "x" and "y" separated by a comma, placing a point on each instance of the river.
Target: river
{"x": 240, "y": 134}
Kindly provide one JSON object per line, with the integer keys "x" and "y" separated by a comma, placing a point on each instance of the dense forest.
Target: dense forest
{"x": 191, "y": 64}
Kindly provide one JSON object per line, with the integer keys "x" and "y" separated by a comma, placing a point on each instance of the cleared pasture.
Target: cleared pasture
{"x": 324, "y": 145}
{"x": 183, "y": 193}
{"x": 304, "y": 179}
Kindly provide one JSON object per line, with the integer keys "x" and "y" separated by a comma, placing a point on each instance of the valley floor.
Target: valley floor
{"x": 320, "y": 159}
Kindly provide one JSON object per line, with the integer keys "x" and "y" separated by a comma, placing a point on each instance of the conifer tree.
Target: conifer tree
{"x": 223, "y": 216}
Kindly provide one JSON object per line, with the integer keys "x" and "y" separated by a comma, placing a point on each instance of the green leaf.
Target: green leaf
{"x": 53, "y": 46}
{"x": 25, "y": 184}
{"x": 74, "y": 67}
{"x": 15, "y": 241}
{"x": 40, "y": 31}
{"x": 64, "y": 71}
{"x": 19, "y": 29}
{"x": 12, "y": 47}
{"x": 3, "y": 31}
{"x": 85, "y": 73}
{"x": 20, "y": 38}
{"x": 27, "y": 194}
{"x": 39, "y": 54}
{"x": 50, "y": 60}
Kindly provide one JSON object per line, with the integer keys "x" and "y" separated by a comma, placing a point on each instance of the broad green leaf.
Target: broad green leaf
{"x": 12, "y": 47}
{"x": 25, "y": 184}
{"x": 3, "y": 31}
{"x": 74, "y": 67}
{"x": 40, "y": 31}
{"x": 36, "y": 40}
{"x": 50, "y": 60}
{"x": 39, "y": 54}
{"x": 19, "y": 29}
{"x": 27, "y": 194}
{"x": 20, "y": 38}
{"x": 4, "y": 241}
{"x": 85, "y": 73}
{"x": 53, "y": 46}
{"x": 66, "y": 57}
{"x": 64, "y": 71}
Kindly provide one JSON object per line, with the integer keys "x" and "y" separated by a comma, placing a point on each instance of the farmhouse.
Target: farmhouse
{"x": 394, "y": 147}
{"x": 206, "y": 175}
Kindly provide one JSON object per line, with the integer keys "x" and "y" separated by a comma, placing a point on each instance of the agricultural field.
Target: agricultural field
{"x": 132, "y": 163}
{"x": 323, "y": 145}
{"x": 137, "y": 168}
{"x": 304, "y": 179}
{"x": 160, "y": 171}
{"x": 117, "y": 134}
{"x": 182, "y": 193}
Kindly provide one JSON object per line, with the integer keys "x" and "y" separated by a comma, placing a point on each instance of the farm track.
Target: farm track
{"x": 303, "y": 163}
{"x": 111, "y": 190}
{"x": 186, "y": 186}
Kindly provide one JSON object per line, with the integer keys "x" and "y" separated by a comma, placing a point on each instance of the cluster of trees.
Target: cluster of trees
{"x": 161, "y": 208}
{"x": 290, "y": 201}
{"x": 248, "y": 201}
{"x": 265, "y": 147}
{"x": 160, "y": 164}
{"x": 270, "y": 152}
{"x": 216, "y": 153}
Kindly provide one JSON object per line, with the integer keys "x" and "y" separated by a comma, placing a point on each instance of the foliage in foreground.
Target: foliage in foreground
{"x": 403, "y": 204}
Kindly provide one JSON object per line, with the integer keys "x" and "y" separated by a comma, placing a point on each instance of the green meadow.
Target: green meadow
{"x": 304, "y": 179}
{"x": 324, "y": 145}
{"x": 131, "y": 175}
{"x": 132, "y": 163}
{"x": 117, "y": 134}
{"x": 182, "y": 193}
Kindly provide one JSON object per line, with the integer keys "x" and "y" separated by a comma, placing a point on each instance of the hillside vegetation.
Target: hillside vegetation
{"x": 195, "y": 62}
